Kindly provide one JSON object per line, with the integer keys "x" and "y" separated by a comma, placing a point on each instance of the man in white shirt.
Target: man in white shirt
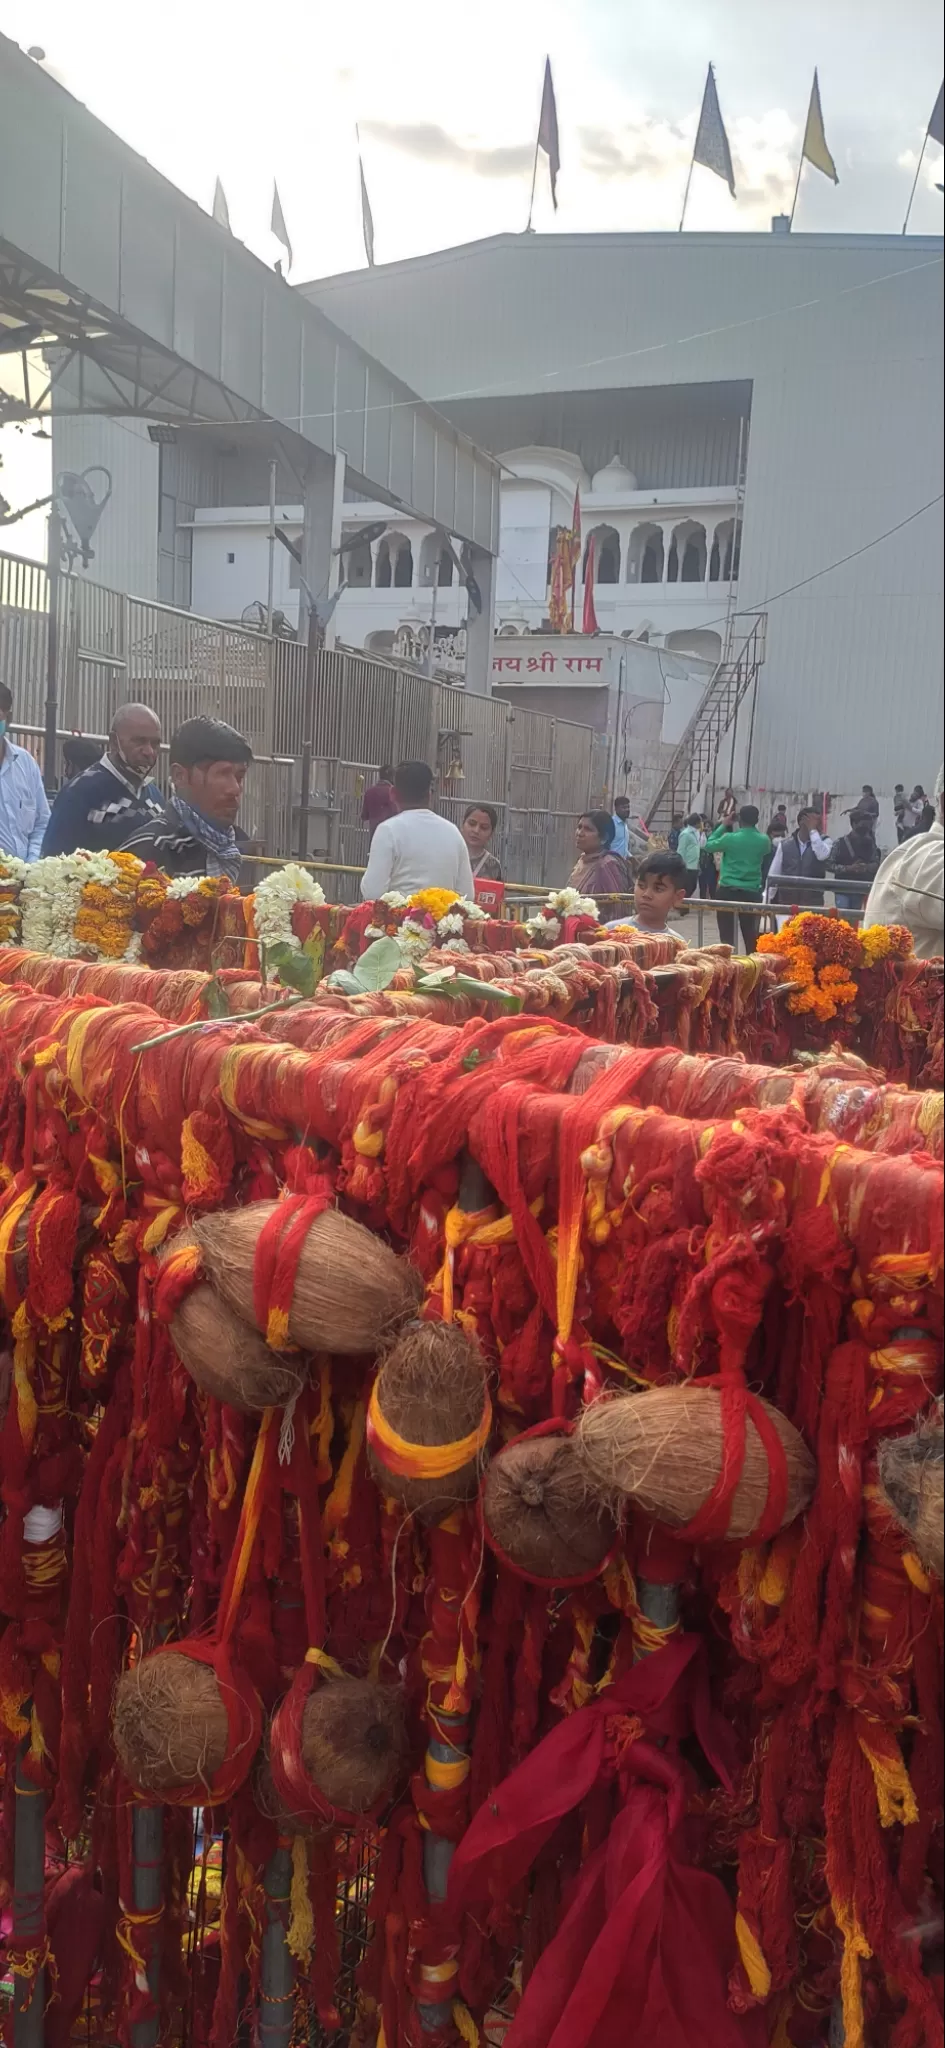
{"x": 24, "y": 809}
{"x": 417, "y": 849}
{"x": 908, "y": 887}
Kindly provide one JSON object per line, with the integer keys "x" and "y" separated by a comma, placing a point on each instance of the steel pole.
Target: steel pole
{"x": 277, "y": 1988}
{"x": 147, "y": 1851}
{"x": 53, "y": 573}
{"x": 29, "y": 1909}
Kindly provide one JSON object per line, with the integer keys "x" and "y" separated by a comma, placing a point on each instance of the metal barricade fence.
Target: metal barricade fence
{"x": 359, "y": 712}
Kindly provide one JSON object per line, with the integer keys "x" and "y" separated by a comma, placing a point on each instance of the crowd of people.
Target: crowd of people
{"x": 109, "y": 801}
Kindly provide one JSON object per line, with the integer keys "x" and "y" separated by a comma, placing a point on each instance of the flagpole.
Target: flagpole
{"x": 797, "y": 187}
{"x": 531, "y": 203}
{"x": 685, "y": 203}
{"x": 915, "y": 181}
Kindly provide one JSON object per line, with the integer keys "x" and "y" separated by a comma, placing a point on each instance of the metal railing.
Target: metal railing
{"x": 341, "y": 883}
{"x": 695, "y": 759}
{"x": 325, "y": 720}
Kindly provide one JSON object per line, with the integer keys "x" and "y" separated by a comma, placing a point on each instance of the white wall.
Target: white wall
{"x": 840, "y": 339}
{"x": 126, "y": 539}
{"x": 521, "y": 576}
{"x": 222, "y": 589}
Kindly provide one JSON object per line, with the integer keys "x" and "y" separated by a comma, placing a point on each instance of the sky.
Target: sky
{"x": 447, "y": 100}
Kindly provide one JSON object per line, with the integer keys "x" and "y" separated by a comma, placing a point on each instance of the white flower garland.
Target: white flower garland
{"x": 51, "y": 896}
{"x": 559, "y": 904}
{"x": 275, "y": 899}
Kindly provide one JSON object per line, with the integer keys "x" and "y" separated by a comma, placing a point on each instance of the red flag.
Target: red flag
{"x": 576, "y": 522}
{"x": 548, "y": 131}
{"x": 589, "y": 621}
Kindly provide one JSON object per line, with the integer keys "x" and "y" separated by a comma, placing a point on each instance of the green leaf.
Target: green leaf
{"x": 314, "y": 950}
{"x": 378, "y": 965}
{"x": 481, "y": 991}
{"x": 218, "y": 1002}
{"x": 344, "y": 982}
{"x": 294, "y": 969}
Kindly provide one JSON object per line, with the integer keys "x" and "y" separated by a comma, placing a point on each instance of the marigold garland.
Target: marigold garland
{"x": 823, "y": 955}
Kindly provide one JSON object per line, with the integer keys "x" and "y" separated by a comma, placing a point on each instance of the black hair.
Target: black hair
{"x": 386, "y": 772}
{"x": 201, "y": 740}
{"x": 492, "y": 815}
{"x": 413, "y": 780}
{"x": 6, "y": 699}
{"x": 808, "y": 811}
{"x": 748, "y": 815}
{"x": 664, "y": 862}
{"x": 694, "y": 818}
{"x": 868, "y": 789}
{"x": 603, "y": 825}
{"x": 622, "y": 800}
{"x": 83, "y": 753}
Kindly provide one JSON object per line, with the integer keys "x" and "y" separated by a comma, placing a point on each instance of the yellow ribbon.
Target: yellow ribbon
{"x": 425, "y": 1461}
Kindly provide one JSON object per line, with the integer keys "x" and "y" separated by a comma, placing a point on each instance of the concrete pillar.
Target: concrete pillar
{"x": 318, "y": 505}
{"x": 337, "y": 520}
{"x": 480, "y": 626}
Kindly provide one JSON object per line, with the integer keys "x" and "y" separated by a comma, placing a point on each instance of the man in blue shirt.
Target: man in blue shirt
{"x": 24, "y": 811}
{"x": 116, "y": 796}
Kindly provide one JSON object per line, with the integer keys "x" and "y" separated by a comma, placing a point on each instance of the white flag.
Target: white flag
{"x": 367, "y": 218}
{"x": 278, "y": 226}
{"x": 221, "y": 212}
{"x": 712, "y": 148}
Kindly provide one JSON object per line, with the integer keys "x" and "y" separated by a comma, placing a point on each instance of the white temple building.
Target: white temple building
{"x": 664, "y": 572}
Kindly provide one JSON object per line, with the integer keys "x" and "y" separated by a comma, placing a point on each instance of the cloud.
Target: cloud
{"x": 434, "y": 145}
{"x": 644, "y": 147}
{"x": 655, "y": 149}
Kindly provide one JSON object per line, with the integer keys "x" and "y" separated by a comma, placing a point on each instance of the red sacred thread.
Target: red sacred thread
{"x": 279, "y": 1248}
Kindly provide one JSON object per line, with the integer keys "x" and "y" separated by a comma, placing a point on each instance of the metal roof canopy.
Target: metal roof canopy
{"x": 159, "y": 312}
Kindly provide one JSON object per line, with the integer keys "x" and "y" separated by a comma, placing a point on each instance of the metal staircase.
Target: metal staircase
{"x": 695, "y": 761}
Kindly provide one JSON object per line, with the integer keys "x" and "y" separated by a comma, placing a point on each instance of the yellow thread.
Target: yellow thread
{"x": 324, "y": 1662}
{"x": 855, "y": 1948}
{"x": 426, "y": 1461}
{"x": 300, "y": 1935}
{"x": 229, "y": 1069}
{"x": 438, "y": 1973}
{"x": 894, "y": 1795}
{"x": 339, "y": 1500}
{"x": 914, "y": 1572}
{"x": 753, "y": 1962}
{"x": 444, "y": 1777}
{"x": 249, "y": 1525}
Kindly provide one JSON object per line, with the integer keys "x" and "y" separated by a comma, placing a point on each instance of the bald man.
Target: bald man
{"x": 103, "y": 806}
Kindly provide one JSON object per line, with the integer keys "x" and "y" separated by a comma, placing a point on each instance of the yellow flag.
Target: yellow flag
{"x": 815, "y": 141}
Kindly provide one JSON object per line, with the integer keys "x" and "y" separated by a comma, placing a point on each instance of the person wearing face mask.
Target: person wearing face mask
{"x": 196, "y": 832}
{"x": 114, "y": 797}
{"x": 24, "y": 809}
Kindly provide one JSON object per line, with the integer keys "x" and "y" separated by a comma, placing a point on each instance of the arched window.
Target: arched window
{"x": 687, "y": 553}
{"x": 606, "y": 555}
{"x": 356, "y": 564}
{"x": 645, "y": 554}
{"x": 394, "y": 563}
{"x": 436, "y": 562}
{"x": 723, "y": 561}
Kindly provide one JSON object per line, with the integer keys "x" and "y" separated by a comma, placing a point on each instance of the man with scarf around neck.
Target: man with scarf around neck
{"x": 115, "y": 795}
{"x": 197, "y": 833}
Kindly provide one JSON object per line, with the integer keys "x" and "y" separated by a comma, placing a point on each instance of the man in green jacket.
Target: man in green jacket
{"x": 745, "y": 853}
